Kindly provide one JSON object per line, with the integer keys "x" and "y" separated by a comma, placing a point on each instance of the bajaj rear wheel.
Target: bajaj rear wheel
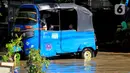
{"x": 87, "y": 54}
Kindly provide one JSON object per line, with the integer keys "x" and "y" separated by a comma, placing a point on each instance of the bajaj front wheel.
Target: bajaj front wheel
{"x": 87, "y": 54}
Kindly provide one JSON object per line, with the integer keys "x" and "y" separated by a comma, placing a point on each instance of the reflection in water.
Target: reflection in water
{"x": 90, "y": 66}
{"x": 74, "y": 67}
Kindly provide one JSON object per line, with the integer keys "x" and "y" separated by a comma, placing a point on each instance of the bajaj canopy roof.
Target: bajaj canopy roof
{"x": 84, "y": 16}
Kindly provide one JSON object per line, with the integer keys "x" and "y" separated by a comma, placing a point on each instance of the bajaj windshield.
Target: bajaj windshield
{"x": 26, "y": 18}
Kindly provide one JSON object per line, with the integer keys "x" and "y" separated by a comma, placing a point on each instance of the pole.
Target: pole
{"x": 59, "y": 19}
{"x": 8, "y": 17}
{"x": 60, "y": 25}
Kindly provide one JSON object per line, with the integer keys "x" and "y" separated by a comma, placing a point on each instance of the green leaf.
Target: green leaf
{"x": 10, "y": 50}
{"x": 38, "y": 62}
{"x": 4, "y": 58}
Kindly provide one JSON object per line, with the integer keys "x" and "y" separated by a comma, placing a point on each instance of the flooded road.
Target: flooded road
{"x": 105, "y": 62}
{"x": 73, "y": 67}
{"x": 112, "y": 63}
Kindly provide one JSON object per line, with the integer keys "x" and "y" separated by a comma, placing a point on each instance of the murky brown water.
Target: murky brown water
{"x": 105, "y": 62}
{"x": 112, "y": 63}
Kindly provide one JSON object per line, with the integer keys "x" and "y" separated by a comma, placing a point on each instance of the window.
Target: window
{"x": 51, "y": 19}
{"x": 60, "y": 19}
{"x": 27, "y": 14}
{"x": 27, "y": 9}
{"x": 24, "y": 21}
{"x": 68, "y": 18}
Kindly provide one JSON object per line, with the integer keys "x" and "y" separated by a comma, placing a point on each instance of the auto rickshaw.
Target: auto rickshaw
{"x": 33, "y": 21}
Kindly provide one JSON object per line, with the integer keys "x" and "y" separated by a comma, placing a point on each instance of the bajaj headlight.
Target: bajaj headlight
{"x": 30, "y": 34}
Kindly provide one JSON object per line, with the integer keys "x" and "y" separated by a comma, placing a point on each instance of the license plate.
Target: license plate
{"x": 17, "y": 29}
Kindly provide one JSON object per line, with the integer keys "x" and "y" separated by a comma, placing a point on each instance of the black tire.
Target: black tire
{"x": 87, "y": 53}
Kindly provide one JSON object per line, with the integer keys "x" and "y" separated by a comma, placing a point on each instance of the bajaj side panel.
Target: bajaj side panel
{"x": 73, "y": 41}
{"x": 50, "y": 43}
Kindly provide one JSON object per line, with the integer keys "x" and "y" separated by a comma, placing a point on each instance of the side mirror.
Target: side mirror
{"x": 43, "y": 22}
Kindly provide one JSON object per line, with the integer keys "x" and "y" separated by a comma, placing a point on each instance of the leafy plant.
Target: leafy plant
{"x": 13, "y": 46}
{"x": 36, "y": 62}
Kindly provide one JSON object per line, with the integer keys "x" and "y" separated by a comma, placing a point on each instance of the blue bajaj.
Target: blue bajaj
{"x": 56, "y": 29}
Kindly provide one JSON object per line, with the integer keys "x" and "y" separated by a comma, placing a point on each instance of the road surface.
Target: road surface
{"x": 105, "y": 62}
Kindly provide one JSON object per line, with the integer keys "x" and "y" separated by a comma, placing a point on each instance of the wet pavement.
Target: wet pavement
{"x": 105, "y": 62}
{"x": 73, "y": 67}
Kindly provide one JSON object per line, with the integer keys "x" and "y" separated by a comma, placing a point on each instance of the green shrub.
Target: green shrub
{"x": 11, "y": 55}
{"x": 35, "y": 62}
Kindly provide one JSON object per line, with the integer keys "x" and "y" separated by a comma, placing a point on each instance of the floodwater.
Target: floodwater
{"x": 105, "y": 62}
{"x": 73, "y": 67}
